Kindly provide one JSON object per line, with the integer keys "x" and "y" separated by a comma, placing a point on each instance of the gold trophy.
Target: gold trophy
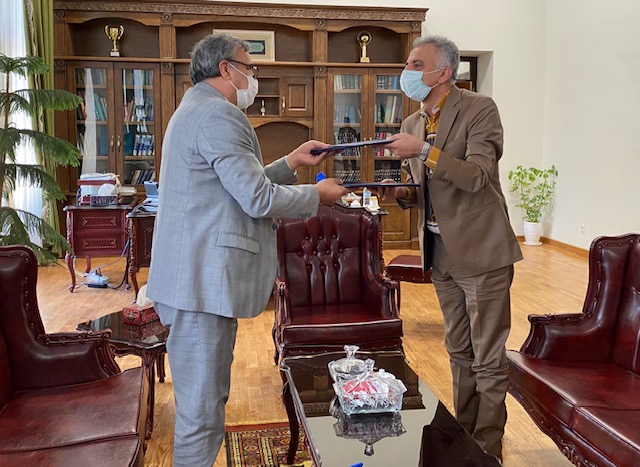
{"x": 364, "y": 39}
{"x": 114, "y": 34}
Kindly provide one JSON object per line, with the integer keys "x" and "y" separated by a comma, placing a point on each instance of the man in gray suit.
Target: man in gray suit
{"x": 451, "y": 149}
{"x": 214, "y": 248}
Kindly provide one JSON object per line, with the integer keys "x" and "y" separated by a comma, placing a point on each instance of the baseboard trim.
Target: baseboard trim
{"x": 565, "y": 246}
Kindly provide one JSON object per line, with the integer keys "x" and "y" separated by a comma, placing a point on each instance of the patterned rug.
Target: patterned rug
{"x": 262, "y": 446}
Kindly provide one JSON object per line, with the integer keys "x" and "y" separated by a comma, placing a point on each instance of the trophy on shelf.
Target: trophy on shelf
{"x": 364, "y": 39}
{"x": 114, "y": 34}
{"x": 263, "y": 109}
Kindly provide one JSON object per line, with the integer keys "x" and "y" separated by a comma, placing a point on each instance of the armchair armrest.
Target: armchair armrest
{"x": 382, "y": 293}
{"x": 282, "y": 301}
{"x": 66, "y": 358}
{"x": 566, "y": 337}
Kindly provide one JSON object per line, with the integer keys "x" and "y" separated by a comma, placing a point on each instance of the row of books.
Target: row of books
{"x": 90, "y": 76}
{"x": 387, "y": 82}
{"x": 347, "y": 82}
{"x": 347, "y": 175}
{"x": 139, "y": 176}
{"x": 93, "y": 107}
{"x": 345, "y": 113}
{"x": 390, "y": 173}
{"x": 389, "y": 110}
{"x": 137, "y": 110}
{"x": 137, "y": 78}
{"x": 143, "y": 145}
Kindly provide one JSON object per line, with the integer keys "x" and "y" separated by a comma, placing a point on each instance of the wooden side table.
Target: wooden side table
{"x": 140, "y": 226}
{"x": 95, "y": 231}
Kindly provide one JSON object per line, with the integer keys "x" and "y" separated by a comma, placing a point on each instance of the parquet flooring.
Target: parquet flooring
{"x": 549, "y": 280}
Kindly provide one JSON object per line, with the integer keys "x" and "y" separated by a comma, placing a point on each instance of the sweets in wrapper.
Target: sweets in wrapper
{"x": 371, "y": 392}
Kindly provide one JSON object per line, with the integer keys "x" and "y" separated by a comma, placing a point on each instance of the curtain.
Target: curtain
{"x": 39, "y": 20}
{"x": 13, "y": 43}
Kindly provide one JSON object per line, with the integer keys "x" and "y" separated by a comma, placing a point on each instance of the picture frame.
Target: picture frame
{"x": 261, "y": 43}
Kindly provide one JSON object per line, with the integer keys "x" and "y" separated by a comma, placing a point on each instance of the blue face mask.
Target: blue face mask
{"x": 412, "y": 85}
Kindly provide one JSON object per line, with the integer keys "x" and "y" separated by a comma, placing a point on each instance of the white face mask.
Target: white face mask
{"x": 412, "y": 85}
{"x": 245, "y": 97}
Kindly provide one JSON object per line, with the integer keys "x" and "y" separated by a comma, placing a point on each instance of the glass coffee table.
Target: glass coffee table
{"x": 148, "y": 341}
{"x": 422, "y": 433}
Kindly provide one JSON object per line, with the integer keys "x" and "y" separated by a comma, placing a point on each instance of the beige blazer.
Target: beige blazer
{"x": 465, "y": 186}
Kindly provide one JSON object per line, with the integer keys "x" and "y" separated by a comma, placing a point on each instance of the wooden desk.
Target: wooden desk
{"x": 140, "y": 228}
{"x": 95, "y": 231}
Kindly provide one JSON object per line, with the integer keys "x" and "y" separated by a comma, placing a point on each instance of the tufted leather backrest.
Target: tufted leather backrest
{"x": 625, "y": 254}
{"x": 324, "y": 259}
{"x": 20, "y": 320}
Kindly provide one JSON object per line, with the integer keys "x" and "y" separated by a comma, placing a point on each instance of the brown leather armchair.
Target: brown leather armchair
{"x": 63, "y": 399}
{"x": 330, "y": 290}
{"x": 578, "y": 375}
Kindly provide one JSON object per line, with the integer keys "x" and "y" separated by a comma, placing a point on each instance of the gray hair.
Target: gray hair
{"x": 447, "y": 51}
{"x": 209, "y": 52}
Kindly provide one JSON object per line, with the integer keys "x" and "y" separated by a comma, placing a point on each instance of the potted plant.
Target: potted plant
{"x": 535, "y": 189}
{"x": 18, "y": 226}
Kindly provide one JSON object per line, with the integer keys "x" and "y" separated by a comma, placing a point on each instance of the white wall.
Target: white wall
{"x": 592, "y": 122}
{"x": 565, "y": 77}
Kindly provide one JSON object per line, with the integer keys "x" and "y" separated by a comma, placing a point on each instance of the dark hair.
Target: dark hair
{"x": 207, "y": 54}
{"x": 447, "y": 51}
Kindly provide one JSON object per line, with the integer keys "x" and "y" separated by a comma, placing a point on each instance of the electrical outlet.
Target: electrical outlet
{"x": 583, "y": 228}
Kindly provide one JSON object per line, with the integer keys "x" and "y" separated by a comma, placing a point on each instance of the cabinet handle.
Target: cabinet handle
{"x": 112, "y": 141}
{"x": 284, "y": 106}
{"x": 118, "y": 141}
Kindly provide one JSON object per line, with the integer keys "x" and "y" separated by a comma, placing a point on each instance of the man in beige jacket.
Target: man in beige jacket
{"x": 451, "y": 149}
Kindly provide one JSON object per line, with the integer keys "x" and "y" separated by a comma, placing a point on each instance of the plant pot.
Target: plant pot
{"x": 532, "y": 233}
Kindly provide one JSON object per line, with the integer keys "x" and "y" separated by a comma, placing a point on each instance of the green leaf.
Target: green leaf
{"x": 16, "y": 226}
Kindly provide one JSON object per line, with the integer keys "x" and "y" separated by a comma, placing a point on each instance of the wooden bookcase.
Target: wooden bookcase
{"x": 313, "y": 45}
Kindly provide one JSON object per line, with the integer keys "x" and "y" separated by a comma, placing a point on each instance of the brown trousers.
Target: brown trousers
{"x": 477, "y": 321}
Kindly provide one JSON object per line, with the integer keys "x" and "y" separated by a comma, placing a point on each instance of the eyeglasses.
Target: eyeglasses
{"x": 249, "y": 66}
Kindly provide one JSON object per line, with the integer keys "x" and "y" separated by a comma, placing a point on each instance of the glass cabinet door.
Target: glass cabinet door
{"x": 388, "y": 118}
{"x": 93, "y": 135}
{"x": 347, "y": 121}
{"x": 136, "y": 139}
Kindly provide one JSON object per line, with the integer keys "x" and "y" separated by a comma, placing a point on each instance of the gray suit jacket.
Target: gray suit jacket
{"x": 465, "y": 186}
{"x": 214, "y": 247}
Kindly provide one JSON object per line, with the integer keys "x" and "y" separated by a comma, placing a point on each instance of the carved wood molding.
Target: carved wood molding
{"x": 59, "y": 16}
{"x": 59, "y": 65}
{"x": 167, "y": 68}
{"x": 416, "y": 26}
{"x": 320, "y": 71}
{"x": 246, "y": 10}
{"x": 321, "y": 24}
{"x": 166, "y": 19}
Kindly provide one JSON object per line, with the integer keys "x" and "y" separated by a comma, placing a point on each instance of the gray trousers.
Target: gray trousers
{"x": 477, "y": 320}
{"x": 200, "y": 350}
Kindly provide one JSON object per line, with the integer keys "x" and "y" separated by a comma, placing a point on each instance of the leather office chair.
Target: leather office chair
{"x": 578, "y": 375}
{"x": 63, "y": 399}
{"x": 330, "y": 290}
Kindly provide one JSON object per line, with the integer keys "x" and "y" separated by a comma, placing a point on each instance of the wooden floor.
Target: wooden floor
{"x": 549, "y": 280}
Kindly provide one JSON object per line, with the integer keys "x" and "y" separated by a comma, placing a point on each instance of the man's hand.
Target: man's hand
{"x": 404, "y": 145}
{"x": 330, "y": 190}
{"x": 301, "y": 156}
{"x": 392, "y": 192}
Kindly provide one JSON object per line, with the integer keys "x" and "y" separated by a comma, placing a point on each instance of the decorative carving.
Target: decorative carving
{"x": 416, "y": 25}
{"x": 59, "y": 16}
{"x": 59, "y": 65}
{"x": 245, "y": 11}
{"x": 167, "y": 18}
{"x": 320, "y": 71}
{"x": 166, "y": 68}
{"x": 321, "y": 24}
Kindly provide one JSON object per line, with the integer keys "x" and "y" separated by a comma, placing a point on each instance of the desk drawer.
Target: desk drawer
{"x": 99, "y": 220}
{"x": 102, "y": 243}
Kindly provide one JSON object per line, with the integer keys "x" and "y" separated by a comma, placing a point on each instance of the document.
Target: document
{"x": 344, "y": 146}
